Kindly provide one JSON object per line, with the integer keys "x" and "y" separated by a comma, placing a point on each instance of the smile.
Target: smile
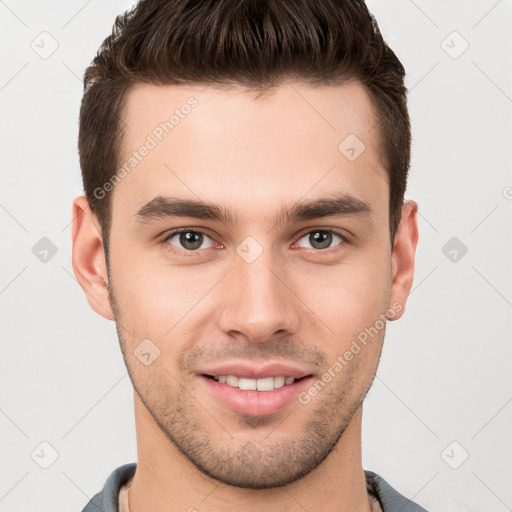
{"x": 264, "y": 384}
{"x": 255, "y": 397}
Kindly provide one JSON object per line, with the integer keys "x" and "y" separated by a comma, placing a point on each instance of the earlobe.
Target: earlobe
{"x": 403, "y": 256}
{"x": 88, "y": 258}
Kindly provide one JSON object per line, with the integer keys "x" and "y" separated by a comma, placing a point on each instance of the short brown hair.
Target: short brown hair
{"x": 254, "y": 43}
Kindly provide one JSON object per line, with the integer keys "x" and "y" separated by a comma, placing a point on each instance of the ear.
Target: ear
{"x": 404, "y": 252}
{"x": 88, "y": 258}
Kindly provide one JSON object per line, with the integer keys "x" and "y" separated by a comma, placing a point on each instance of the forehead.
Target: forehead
{"x": 227, "y": 146}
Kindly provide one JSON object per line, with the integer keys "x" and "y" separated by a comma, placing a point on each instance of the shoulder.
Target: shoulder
{"x": 390, "y": 499}
{"x": 107, "y": 499}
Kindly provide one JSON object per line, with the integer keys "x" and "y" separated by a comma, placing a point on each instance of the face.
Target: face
{"x": 281, "y": 271}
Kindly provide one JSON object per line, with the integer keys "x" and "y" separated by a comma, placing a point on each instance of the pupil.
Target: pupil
{"x": 321, "y": 238}
{"x": 191, "y": 240}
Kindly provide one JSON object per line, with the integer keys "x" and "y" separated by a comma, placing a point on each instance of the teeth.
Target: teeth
{"x": 279, "y": 382}
{"x": 265, "y": 384}
{"x": 232, "y": 380}
{"x": 249, "y": 384}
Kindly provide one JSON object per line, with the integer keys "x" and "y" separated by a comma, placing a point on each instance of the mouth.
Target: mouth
{"x": 264, "y": 384}
{"x": 255, "y": 397}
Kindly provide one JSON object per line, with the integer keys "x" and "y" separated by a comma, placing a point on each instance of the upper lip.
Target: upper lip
{"x": 248, "y": 371}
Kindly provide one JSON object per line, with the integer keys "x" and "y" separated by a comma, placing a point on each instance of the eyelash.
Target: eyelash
{"x": 196, "y": 252}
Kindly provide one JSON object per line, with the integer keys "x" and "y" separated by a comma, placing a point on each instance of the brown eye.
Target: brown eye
{"x": 188, "y": 240}
{"x": 322, "y": 238}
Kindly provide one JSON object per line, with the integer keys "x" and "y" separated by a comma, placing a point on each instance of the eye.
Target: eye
{"x": 322, "y": 238}
{"x": 188, "y": 240}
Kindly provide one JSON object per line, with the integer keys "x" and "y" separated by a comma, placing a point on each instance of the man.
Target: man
{"x": 244, "y": 225}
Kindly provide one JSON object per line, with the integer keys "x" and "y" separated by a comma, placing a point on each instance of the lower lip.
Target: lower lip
{"x": 255, "y": 403}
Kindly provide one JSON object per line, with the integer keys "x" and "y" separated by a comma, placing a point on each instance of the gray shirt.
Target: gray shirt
{"x": 108, "y": 498}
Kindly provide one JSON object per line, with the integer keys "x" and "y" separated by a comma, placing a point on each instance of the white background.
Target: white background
{"x": 445, "y": 371}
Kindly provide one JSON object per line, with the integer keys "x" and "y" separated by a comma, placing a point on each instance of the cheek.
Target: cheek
{"x": 154, "y": 297}
{"x": 347, "y": 297}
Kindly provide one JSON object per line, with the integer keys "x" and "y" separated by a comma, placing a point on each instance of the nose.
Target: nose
{"x": 259, "y": 302}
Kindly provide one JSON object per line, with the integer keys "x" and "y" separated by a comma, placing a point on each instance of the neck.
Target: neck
{"x": 165, "y": 480}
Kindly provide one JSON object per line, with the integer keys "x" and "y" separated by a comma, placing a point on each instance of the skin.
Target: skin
{"x": 295, "y": 303}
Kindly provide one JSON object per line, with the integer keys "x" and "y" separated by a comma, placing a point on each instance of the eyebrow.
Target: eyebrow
{"x": 163, "y": 207}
